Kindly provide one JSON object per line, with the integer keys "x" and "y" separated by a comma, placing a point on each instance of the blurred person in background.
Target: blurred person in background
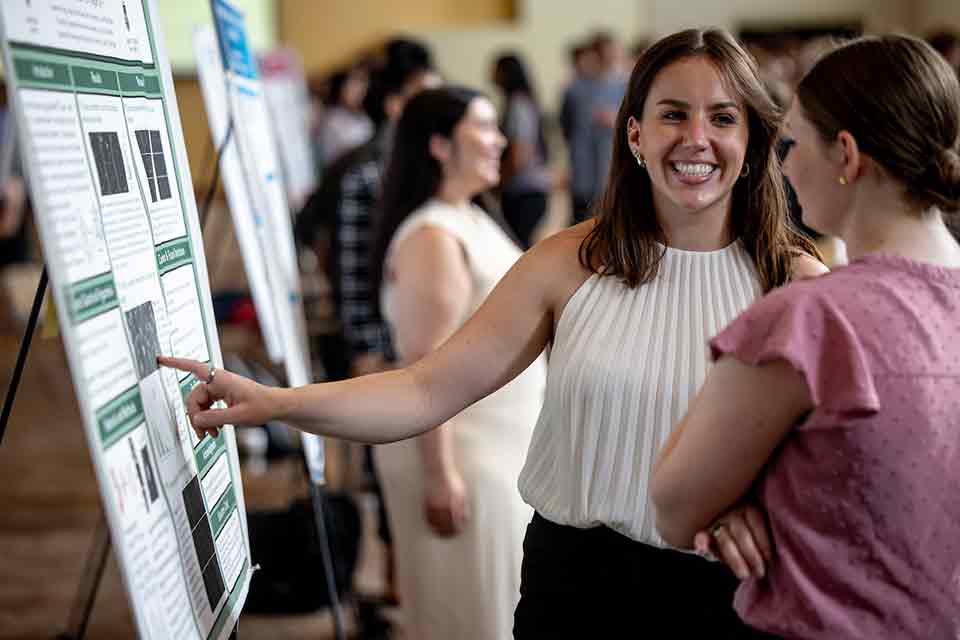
{"x": 833, "y": 403}
{"x": 14, "y": 245}
{"x": 344, "y": 209}
{"x": 339, "y": 222}
{"x": 588, "y": 113}
{"x": 525, "y": 180}
{"x": 345, "y": 126}
{"x": 457, "y": 517}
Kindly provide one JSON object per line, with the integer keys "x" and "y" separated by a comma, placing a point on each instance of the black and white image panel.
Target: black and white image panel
{"x": 144, "y": 339}
{"x": 132, "y": 475}
{"x": 108, "y": 159}
{"x": 150, "y": 144}
{"x": 203, "y": 543}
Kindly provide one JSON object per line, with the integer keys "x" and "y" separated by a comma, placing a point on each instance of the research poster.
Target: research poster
{"x": 101, "y": 138}
{"x": 259, "y": 260}
{"x": 285, "y": 89}
{"x": 233, "y": 92}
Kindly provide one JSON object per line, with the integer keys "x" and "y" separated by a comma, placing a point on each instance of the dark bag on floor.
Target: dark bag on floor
{"x": 284, "y": 543}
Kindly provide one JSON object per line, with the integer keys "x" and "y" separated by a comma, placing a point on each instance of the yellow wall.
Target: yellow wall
{"x": 935, "y": 15}
{"x": 329, "y": 33}
{"x": 179, "y": 17}
{"x": 544, "y": 29}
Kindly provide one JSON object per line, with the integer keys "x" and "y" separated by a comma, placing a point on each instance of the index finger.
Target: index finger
{"x": 199, "y": 369}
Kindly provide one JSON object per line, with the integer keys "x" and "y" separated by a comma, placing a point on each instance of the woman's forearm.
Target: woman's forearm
{"x": 378, "y": 408}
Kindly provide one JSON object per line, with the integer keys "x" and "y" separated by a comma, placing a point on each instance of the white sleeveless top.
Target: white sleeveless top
{"x": 624, "y": 366}
{"x": 490, "y": 254}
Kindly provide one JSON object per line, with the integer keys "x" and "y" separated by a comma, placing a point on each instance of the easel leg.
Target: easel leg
{"x": 22, "y": 355}
{"x": 316, "y": 494}
{"x": 89, "y": 582}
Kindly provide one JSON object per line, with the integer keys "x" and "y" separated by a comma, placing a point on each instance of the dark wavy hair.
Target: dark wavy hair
{"x": 624, "y": 241}
{"x": 413, "y": 175}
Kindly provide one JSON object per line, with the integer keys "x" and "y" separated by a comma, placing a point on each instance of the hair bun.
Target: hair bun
{"x": 949, "y": 162}
{"x": 940, "y": 183}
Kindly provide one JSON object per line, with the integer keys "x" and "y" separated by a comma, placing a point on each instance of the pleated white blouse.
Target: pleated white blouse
{"x": 624, "y": 366}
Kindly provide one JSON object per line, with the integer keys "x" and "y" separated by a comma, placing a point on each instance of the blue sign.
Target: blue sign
{"x": 232, "y": 36}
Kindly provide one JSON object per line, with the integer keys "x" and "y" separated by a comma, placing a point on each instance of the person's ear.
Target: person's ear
{"x": 440, "y": 148}
{"x": 851, "y": 159}
{"x": 634, "y": 138}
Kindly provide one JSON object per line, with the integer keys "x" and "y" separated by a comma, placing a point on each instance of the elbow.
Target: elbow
{"x": 675, "y": 533}
{"x": 673, "y": 518}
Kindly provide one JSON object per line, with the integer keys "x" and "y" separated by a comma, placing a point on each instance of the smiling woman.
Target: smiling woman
{"x": 681, "y": 244}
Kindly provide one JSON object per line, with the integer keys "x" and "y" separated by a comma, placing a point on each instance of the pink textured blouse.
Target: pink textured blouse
{"x": 863, "y": 497}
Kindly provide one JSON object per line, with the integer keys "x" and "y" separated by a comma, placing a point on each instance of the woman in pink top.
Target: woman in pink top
{"x": 834, "y": 405}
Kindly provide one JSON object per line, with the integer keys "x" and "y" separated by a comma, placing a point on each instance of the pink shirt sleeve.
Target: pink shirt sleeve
{"x": 802, "y": 325}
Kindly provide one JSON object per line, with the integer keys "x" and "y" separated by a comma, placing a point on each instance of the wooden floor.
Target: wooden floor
{"x": 50, "y": 505}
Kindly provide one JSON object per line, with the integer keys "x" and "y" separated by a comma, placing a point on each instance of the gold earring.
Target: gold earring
{"x": 842, "y": 180}
{"x": 640, "y": 160}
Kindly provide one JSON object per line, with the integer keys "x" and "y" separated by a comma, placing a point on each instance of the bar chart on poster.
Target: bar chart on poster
{"x": 101, "y": 139}
{"x": 233, "y": 92}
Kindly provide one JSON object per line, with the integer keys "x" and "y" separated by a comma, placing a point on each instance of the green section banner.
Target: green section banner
{"x": 91, "y": 297}
{"x": 187, "y": 386}
{"x": 33, "y": 71}
{"x": 173, "y": 254}
{"x": 222, "y": 512}
{"x": 118, "y": 417}
{"x": 90, "y": 78}
{"x": 208, "y": 451}
{"x": 139, "y": 83}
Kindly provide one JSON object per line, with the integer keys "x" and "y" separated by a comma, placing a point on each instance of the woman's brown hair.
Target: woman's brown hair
{"x": 624, "y": 241}
{"x": 900, "y": 100}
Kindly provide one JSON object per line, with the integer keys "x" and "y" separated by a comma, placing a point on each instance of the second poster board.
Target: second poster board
{"x": 251, "y": 173}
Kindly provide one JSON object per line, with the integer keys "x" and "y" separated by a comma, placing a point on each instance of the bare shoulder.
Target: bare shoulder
{"x": 426, "y": 247}
{"x": 554, "y": 263}
{"x": 804, "y": 266}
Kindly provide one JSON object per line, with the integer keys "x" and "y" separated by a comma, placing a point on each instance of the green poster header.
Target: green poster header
{"x": 38, "y": 72}
{"x": 139, "y": 83}
{"x": 90, "y": 78}
{"x": 91, "y": 297}
{"x": 118, "y": 417}
{"x": 208, "y": 452}
{"x": 222, "y": 512}
{"x": 173, "y": 254}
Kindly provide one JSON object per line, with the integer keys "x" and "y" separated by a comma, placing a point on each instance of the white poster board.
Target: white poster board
{"x": 101, "y": 138}
{"x": 285, "y": 88}
{"x": 251, "y": 171}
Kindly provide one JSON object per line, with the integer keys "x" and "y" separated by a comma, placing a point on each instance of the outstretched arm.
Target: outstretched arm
{"x": 498, "y": 342}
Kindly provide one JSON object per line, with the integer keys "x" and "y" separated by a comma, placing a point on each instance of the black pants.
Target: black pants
{"x": 597, "y": 583}
{"x": 523, "y": 212}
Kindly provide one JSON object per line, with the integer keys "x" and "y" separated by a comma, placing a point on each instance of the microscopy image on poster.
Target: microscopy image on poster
{"x": 108, "y": 159}
{"x": 154, "y": 166}
{"x": 142, "y": 329}
{"x": 203, "y": 543}
{"x": 155, "y": 385}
